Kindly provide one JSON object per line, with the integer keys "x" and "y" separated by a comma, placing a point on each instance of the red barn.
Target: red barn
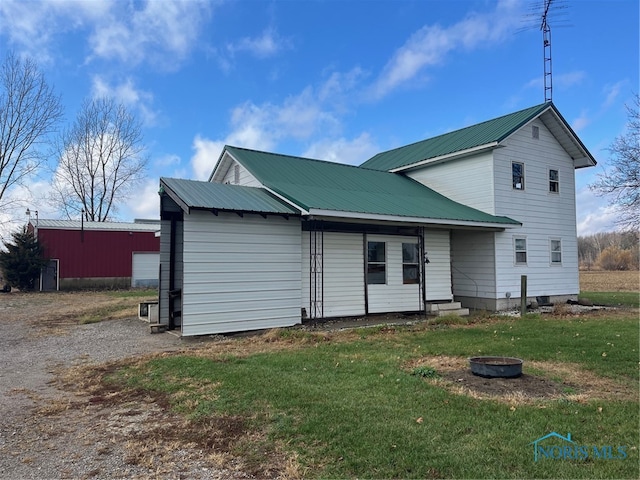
{"x": 98, "y": 254}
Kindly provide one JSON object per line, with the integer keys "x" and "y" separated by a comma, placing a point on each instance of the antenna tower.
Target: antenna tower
{"x": 541, "y": 11}
{"x": 546, "y": 42}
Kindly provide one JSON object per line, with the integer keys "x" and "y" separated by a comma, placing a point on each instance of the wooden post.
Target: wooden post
{"x": 523, "y": 295}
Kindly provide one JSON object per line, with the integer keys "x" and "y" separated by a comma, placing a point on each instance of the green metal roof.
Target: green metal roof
{"x": 485, "y": 133}
{"x": 321, "y": 185}
{"x": 193, "y": 194}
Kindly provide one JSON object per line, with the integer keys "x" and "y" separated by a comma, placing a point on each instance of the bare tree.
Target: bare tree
{"x": 29, "y": 112}
{"x": 101, "y": 161}
{"x": 622, "y": 182}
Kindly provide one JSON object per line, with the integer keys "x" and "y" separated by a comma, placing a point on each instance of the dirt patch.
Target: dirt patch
{"x": 554, "y": 381}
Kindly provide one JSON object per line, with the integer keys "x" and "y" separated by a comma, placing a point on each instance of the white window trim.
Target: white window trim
{"x": 551, "y": 252}
{"x": 524, "y": 177}
{"x": 515, "y": 251}
{"x": 557, "y": 192}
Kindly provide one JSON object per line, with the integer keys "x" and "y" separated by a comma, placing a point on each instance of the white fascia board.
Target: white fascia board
{"x": 286, "y": 200}
{"x": 449, "y": 156}
{"x": 354, "y": 216}
{"x": 218, "y": 164}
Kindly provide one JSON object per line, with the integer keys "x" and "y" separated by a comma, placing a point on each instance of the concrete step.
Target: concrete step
{"x": 461, "y": 312}
{"x": 438, "y": 307}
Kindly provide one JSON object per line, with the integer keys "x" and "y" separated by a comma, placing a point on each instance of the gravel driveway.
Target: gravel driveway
{"x": 49, "y": 433}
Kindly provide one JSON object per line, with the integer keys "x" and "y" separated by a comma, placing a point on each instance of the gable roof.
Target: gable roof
{"x": 483, "y": 136}
{"x": 196, "y": 195}
{"x": 332, "y": 189}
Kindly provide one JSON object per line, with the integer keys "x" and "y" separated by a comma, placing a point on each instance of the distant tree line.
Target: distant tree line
{"x": 610, "y": 251}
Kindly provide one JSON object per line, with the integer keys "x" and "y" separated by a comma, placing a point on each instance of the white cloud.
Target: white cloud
{"x": 569, "y": 79}
{"x": 205, "y": 157}
{"x": 593, "y": 213}
{"x": 431, "y": 45}
{"x": 612, "y": 92}
{"x": 351, "y": 152}
{"x": 266, "y": 45}
{"x": 127, "y": 94}
{"x": 581, "y": 122}
{"x": 146, "y": 203}
{"x": 160, "y": 33}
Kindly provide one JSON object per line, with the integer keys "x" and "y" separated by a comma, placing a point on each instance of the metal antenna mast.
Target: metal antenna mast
{"x": 541, "y": 11}
{"x": 546, "y": 41}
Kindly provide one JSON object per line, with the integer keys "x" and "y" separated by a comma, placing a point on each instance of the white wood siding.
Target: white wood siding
{"x": 544, "y": 215}
{"x": 394, "y": 296}
{"x": 245, "y": 178}
{"x": 343, "y": 274}
{"x": 473, "y": 262}
{"x": 468, "y": 180}
{"x": 438, "y": 270}
{"x": 240, "y": 273}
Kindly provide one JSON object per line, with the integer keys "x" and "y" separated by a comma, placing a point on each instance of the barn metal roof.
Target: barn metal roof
{"x": 143, "y": 226}
{"x": 317, "y": 185}
{"x": 192, "y": 194}
{"x": 487, "y": 134}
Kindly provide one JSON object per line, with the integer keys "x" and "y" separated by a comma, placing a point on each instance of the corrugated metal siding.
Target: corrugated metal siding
{"x": 394, "y": 296}
{"x": 240, "y": 273}
{"x": 343, "y": 274}
{"x": 100, "y": 254}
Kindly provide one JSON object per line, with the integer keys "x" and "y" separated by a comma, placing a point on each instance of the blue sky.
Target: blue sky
{"x": 339, "y": 80}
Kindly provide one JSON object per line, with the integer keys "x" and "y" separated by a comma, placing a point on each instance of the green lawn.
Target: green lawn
{"x": 346, "y": 405}
{"x": 613, "y": 299}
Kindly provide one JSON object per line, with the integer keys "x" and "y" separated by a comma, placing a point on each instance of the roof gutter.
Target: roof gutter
{"x": 356, "y": 216}
{"x": 448, "y": 156}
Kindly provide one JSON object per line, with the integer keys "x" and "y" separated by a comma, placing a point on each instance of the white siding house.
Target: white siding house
{"x": 273, "y": 240}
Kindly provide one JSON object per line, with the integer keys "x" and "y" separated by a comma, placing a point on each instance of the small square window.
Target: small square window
{"x": 517, "y": 175}
{"x": 521, "y": 250}
{"x": 554, "y": 181}
{"x": 556, "y": 251}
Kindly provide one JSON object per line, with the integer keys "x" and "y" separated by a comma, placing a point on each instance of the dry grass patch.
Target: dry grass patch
{"x": 539, "y": 381}
{"x": 604, "y": 281}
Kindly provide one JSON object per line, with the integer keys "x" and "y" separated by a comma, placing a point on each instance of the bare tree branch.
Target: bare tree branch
{"x": 621, "y": 183}
{"x": 101, "y": 161}
{"x": 29, "y": 112}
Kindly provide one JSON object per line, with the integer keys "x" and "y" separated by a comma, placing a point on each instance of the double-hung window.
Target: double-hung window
{"x": 556, "y": 252}
{"x": 517, "y": 175}
{"x": 376, "y": 263}
{"x": 410, "y": 268}
{"x": 554, "y": 181}
{"x": 520, "y": 245}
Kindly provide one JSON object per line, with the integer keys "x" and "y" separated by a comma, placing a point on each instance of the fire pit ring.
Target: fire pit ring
{"x": 496, "y": 367}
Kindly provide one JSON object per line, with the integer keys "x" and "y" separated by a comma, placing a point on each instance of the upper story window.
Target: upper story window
{"x": 520, "y": 245}
{"x": 410, "y": 266}
{"x": 554, "y": 181}
{"x": 236, "y": 174}
{"x": 376, "y": 263}
{"x": 517, "y": 175}
{"x": 556, "y": 252}
{"x": 535, "y": 132}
